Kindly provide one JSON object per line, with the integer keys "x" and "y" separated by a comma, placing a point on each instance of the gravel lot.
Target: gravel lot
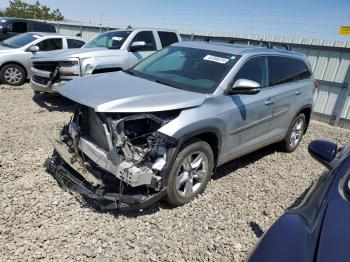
{"x": 38, "y": 220}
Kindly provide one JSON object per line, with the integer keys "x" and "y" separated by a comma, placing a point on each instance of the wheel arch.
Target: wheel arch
{"x": 211, "y": 135}
{"x": 16, "y": 63}
{"x": 306, "y": 110}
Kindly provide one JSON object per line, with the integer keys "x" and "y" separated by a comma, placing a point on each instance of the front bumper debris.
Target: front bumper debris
{"x": 118, "y": 161}
{"x": 126, "y": 172}
{"x": 63, "y": 151}
{"x": 72, "y": 181}
{"x": 39, "y": 84}
{"x": 48, "y": 81}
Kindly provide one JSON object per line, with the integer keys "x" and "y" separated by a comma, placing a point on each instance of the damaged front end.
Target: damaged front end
{"x": 116, "y": 160}
{"x": 49, "y": 76}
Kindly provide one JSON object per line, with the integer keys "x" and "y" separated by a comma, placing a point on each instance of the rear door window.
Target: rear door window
{"x": 50, "y": 44}
{"x": 281, "y": 70}
{"x": 74, "y": 43}
{"x": 255, "y": 69}
{"x": 167, "y": 38}
{"x": 17, "y": 27}
{"x": 148, "y": 38}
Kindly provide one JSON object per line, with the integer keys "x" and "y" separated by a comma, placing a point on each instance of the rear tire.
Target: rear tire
{"x": 190, "y": 173}
{"x": 295, "y": 134}
{"x": 13, "y": 74}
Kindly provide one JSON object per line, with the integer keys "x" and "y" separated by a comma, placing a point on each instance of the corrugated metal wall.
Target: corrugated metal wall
{"x": 330, "y": 61}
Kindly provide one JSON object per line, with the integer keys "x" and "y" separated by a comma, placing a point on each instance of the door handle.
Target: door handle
{"x": 269, "y": 102}
{"x": 298, "y": 92}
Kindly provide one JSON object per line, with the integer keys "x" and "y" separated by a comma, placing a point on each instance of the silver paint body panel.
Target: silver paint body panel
{"x": 242, "y": 123}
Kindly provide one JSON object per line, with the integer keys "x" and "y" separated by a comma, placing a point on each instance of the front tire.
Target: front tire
{"x": 13, "y": 74}
{"x": 190, "y": 173}
{"x": 295, "y": 133}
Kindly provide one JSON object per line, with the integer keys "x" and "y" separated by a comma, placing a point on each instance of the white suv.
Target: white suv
{"x": 108, "y": 52}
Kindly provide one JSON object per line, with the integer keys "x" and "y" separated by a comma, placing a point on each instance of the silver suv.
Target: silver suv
{"x": 161, "y": 128}
{"x": 110, "y": 51}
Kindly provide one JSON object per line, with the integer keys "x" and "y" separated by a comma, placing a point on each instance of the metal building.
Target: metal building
{"x": 330, "y": 62}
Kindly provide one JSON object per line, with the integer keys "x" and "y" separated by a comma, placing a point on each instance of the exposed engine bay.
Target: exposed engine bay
{"x": 121, "y": 154}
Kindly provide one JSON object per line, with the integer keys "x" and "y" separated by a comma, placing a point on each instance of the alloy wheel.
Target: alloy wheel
{"x": 296, "y": 134}
{"x": 192, "y": 174}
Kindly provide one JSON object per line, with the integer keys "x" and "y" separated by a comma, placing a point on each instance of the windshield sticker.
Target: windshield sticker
{"x": 216, "y": 59}
{"x": 37, "y": 36}
{"x": 117, "y": 38}
{"x": 3, "y": 21}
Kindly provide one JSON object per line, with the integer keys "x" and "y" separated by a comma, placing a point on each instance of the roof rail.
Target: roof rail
{"x": 263, "y": 43}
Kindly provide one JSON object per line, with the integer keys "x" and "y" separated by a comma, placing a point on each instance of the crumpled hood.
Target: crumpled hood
{"x": 61, "y": 55}
{"x": 123, "y": 93}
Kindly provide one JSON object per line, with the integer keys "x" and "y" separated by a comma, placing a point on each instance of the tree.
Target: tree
{"x": 20, "y": 9}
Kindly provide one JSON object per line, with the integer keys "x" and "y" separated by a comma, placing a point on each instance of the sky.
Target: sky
{"x": 297, "y": 18}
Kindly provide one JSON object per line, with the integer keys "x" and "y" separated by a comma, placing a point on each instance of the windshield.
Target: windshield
{"x": 190, "y": 69}
{"x": 111, "y": 40}
{"x": 20, "y": 40}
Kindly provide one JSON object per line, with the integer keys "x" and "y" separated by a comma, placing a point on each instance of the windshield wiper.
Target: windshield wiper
{"x": 128, "y": 71}
{"x": 163, "y": 83}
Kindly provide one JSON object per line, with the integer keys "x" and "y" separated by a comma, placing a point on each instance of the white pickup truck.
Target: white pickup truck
{"x": 108, "y": 52}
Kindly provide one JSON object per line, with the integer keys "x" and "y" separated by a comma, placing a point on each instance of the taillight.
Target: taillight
{"x": 316, "y": 84}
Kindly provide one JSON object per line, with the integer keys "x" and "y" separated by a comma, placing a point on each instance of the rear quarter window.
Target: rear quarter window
{"x": 42, "y": 27}
{"x": 285, "y": 70}
{"x": 167, "y": 38}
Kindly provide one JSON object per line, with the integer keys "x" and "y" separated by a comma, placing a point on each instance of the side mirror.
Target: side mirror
{"x": 136, "y": 46}
{"x": 78, "y": 34}
{"x": 323, "y": 151}
{"x": 33, "y": 49}
{"x": 244, "y": 87}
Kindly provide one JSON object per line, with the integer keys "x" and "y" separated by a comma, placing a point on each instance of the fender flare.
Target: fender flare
{"x": 173, "y": 152}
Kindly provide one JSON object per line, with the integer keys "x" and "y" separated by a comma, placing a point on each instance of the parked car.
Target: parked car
{"x": 318, "y": 229}
{"x": 15, "y": 53}
{"x": 10, "y": 27}
{"x": 160, "y": 128}
{"x": 108, "y": 52}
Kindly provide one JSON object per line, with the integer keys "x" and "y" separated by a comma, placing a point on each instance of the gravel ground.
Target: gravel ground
{"x": 38, "y": 220}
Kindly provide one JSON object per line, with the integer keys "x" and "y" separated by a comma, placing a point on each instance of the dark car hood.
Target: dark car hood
{"x": 120, "y": 92}
{"x": 317, "y": 230}
{"x": 334, "y": 240}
